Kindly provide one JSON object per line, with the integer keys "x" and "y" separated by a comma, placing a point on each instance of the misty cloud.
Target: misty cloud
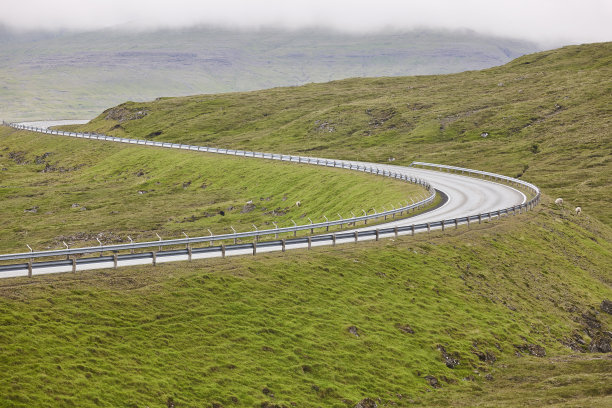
{"x": 545, "y": 21}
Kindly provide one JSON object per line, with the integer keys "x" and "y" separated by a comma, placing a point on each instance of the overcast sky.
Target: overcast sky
{"x": 545, "y": 21}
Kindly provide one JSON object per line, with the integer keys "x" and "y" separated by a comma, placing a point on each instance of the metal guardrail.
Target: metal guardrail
{"x": 153, "y": 257}
{"x": 223, "y": 237}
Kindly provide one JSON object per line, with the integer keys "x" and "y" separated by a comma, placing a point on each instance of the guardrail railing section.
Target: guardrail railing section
{"x": 73, "y": 262}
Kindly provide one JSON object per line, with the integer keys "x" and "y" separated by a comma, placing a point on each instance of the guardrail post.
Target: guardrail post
{"x": 468, "y": 222}
{"x": 498, "y": 215}
{"x": 115, "y": 260}
{"x": 254, "y": 247}
{"x": 154, "y": 258}
{"x": 309, "y": 242}
{"x": 442, "y": 225}
{"x": 334, "y": 239}
{"x": 480, "y": 218}
{"x": 29, "y": 269}
{"x": 189, "y": 252}
{"x": 412, "y": 229}
{"x": 456, "y": 224}
{"x": 377, "y": 234}
{"x": 356, "y": 236}
{"x": 283, "y": 244}
{"x": 428, "y": 228}
{"x": 74, "y": 264}
{"x": 396, "y": 231}
{"x": 222, "y": 250}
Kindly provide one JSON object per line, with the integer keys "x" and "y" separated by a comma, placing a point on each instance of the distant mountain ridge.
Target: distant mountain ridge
{"x": 66, "y": 75}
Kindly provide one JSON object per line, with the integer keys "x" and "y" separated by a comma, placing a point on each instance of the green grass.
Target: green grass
{"x": 273, "y": 330}
{"x": 227, "y": 331}
{"x": 547, "y": 116}
{"x": 185, "y": 192}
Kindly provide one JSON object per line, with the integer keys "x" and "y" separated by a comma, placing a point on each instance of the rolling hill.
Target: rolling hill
{"x": 515, "y": 312}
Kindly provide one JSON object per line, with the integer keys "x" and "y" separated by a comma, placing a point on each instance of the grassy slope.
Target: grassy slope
{"x": 547, "y": 116}
{"x": 51, "y": 75}
{"x": 106, "y": 179}
{"x": 227, "y": 331}
{"x": 236, "y": 331}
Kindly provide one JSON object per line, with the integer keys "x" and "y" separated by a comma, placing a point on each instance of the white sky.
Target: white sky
{"x": 543, "y": 21}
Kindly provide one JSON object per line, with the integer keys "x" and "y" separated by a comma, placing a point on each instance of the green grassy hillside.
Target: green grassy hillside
{"x": 544, "y": 117}
{"x": 327, "y": 327}
{"x": 56, "y": 189}
{"x": 506, "y": 313}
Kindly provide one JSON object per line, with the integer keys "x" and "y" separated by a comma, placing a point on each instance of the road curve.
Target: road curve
{"x": 466, "y": 196}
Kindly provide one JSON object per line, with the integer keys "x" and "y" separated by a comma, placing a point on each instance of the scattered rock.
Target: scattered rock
{"x": 122, "y": 114}
{"x": 18, "y": 157}
{"x": 601, "y": 343}
{"x": 405, "y": 328}
{"x": 451, "y": 360}
{"x": 142, "y": 191}
{"x": 75, "y": 205}
{"x": 323, "y": 126}
{"x": 31, "y": 210}
{"x": 186, "y": 184}
{"x": 284, "y": 198}
{"x": 533, "y": 349}
{"x": 266, "y": 391}
{"x": 83, "y": 209}
{"x": 366, "y": 403}
{"x": 484, "y": 134}
{"x": 277, "y": 212}
{"x": 485, "y": 356}
{"x": 489, "y": 377}
{"x": 222, "y": 213}
{"x": 591, "y": 321}
{"x": 248, "y": 207}
{"x": 433, "y": 381}
{"x": 203, "y": 185}
{"x": 353, "y": 330}
{"x": 575, "y": 342}
{"x": 4, "y": 169}
{"x": 606, "y": 306}
{"x": 140, "y": 173}
{"x": 41, "y": 159}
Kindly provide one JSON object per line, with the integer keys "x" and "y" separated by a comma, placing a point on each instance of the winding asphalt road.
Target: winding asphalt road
{"x": 466, "y": 196}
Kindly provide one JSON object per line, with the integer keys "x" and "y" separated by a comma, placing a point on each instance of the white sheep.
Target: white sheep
{"x": 559, "y": 202}
{"x": 578, "y": 210}
{"x": 298, "y": 203}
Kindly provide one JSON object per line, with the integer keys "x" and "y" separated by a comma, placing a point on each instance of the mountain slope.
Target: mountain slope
{"x": 76, "y": 75}
{"x": 545, "y": 117}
